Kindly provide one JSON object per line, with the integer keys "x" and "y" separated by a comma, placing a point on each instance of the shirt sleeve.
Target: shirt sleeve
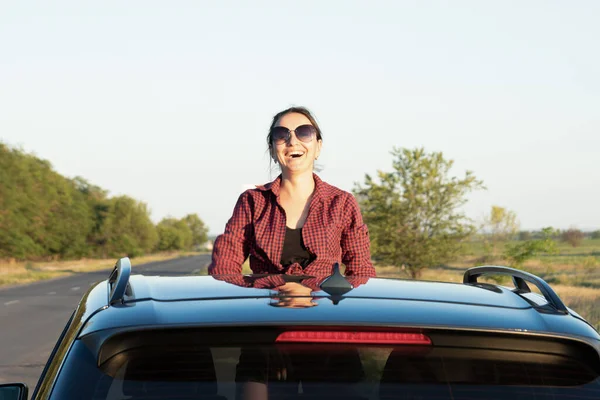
{"x": 356, "y": 247}
{"x": 231, "y": 248}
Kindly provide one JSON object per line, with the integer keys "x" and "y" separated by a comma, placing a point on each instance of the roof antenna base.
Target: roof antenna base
{"x": 336, "y": 284}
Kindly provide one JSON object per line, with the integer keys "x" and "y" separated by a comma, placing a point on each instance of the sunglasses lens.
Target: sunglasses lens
{"x": 279, "y": 134}
{"x": 305, "y": 132}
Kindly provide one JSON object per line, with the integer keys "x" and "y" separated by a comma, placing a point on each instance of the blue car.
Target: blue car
{"x": 320, "y": 337}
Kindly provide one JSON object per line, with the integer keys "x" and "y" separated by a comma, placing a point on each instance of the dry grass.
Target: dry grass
{"x": 15, "y": 273}
{"x": 449, "y": 274}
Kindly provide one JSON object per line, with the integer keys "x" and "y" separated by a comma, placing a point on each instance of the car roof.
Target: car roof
{"x": 207, "y": 301}
{"x": 207, "y": 287}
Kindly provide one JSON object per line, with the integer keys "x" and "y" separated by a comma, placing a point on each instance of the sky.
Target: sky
{"x": 170, "y": 102}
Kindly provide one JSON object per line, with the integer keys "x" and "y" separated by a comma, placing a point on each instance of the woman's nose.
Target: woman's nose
{"x": 293, "y": 139}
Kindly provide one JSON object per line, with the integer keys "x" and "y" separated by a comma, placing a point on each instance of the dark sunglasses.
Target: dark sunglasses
{"x": 281, "y": 134}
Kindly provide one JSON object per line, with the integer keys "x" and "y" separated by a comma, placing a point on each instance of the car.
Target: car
{"x": 329, "y": 337}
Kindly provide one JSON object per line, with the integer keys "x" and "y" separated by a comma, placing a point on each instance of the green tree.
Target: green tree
{"x": 174, "y": 234}
{"x": 20, "y": 223}
{"x": 42, "y": 214}
{"x": 519, "y": 253}
{"x": 128, "y": 229}
{"x": 198, "y": 228}
{"x": 99, "y": 204}
{"x": 596, "y": 235}
{"x": 68, "y": 222}
{"x": 414, "y": 212}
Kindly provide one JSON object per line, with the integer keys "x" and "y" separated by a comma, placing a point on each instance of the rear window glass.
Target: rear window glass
{"x": 140, "y": 369}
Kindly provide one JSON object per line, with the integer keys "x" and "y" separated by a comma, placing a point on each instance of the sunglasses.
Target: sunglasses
{"x": 281, "y": 134}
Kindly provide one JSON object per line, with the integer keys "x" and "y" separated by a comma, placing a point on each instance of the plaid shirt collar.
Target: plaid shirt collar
{"x": 276, "y": 185}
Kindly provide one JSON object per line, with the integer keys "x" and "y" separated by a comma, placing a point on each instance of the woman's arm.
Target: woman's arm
{"x": 356, "y": 247}
{"x": 231, "y": 248}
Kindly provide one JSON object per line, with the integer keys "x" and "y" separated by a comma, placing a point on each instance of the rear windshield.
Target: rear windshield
{"x": 136, "y": 368}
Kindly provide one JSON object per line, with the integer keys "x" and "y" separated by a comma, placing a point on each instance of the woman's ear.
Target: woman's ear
{"x": 318, "y": 149}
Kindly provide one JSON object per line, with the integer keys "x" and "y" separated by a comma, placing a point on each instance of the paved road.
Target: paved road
{"x": 33, "y": 316}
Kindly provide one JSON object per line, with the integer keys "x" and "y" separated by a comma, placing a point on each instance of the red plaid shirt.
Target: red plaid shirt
{"x": 333, "y": 231}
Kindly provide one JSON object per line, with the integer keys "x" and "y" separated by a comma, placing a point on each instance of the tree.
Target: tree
{"x": 572, "y": 236}
{"x": 41, "y": 213}
{"x": 174, "y": 234}
{"x": 596, "y": 235}
{"x": 128, "y": 229}
{"x": 99, "y": 204}
{"x": 198, "y": 228}
{"x": 520, "y": 252}
{"x": 500, "y": 225}
{"x": 414, "y": 212}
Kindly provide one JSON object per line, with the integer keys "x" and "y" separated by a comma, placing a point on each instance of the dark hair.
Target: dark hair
{"x": 298, "y": 110}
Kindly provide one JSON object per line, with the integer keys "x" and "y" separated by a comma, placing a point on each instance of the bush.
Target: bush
{"x": 590, "y": 263}
{"x": 572, "y": 236}
{"x": 520, "y": 252}
{"x": 524, "y": 235}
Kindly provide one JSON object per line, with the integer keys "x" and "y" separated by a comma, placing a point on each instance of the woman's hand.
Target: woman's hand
{"x": 294, "y": 295}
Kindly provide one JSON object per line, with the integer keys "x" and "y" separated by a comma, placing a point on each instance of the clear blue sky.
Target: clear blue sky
{"x": 170, "y": 102}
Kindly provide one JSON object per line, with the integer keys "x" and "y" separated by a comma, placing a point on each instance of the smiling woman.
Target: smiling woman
{"x": 294, "y": 149}
{"x": 296, "y": 224}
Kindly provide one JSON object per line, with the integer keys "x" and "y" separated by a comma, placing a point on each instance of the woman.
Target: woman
{"x": 296, "y": 224}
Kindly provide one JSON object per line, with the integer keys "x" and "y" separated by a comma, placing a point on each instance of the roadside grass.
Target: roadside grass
{"x": 16, "y": 273}
{"x": 586, "y": 254}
